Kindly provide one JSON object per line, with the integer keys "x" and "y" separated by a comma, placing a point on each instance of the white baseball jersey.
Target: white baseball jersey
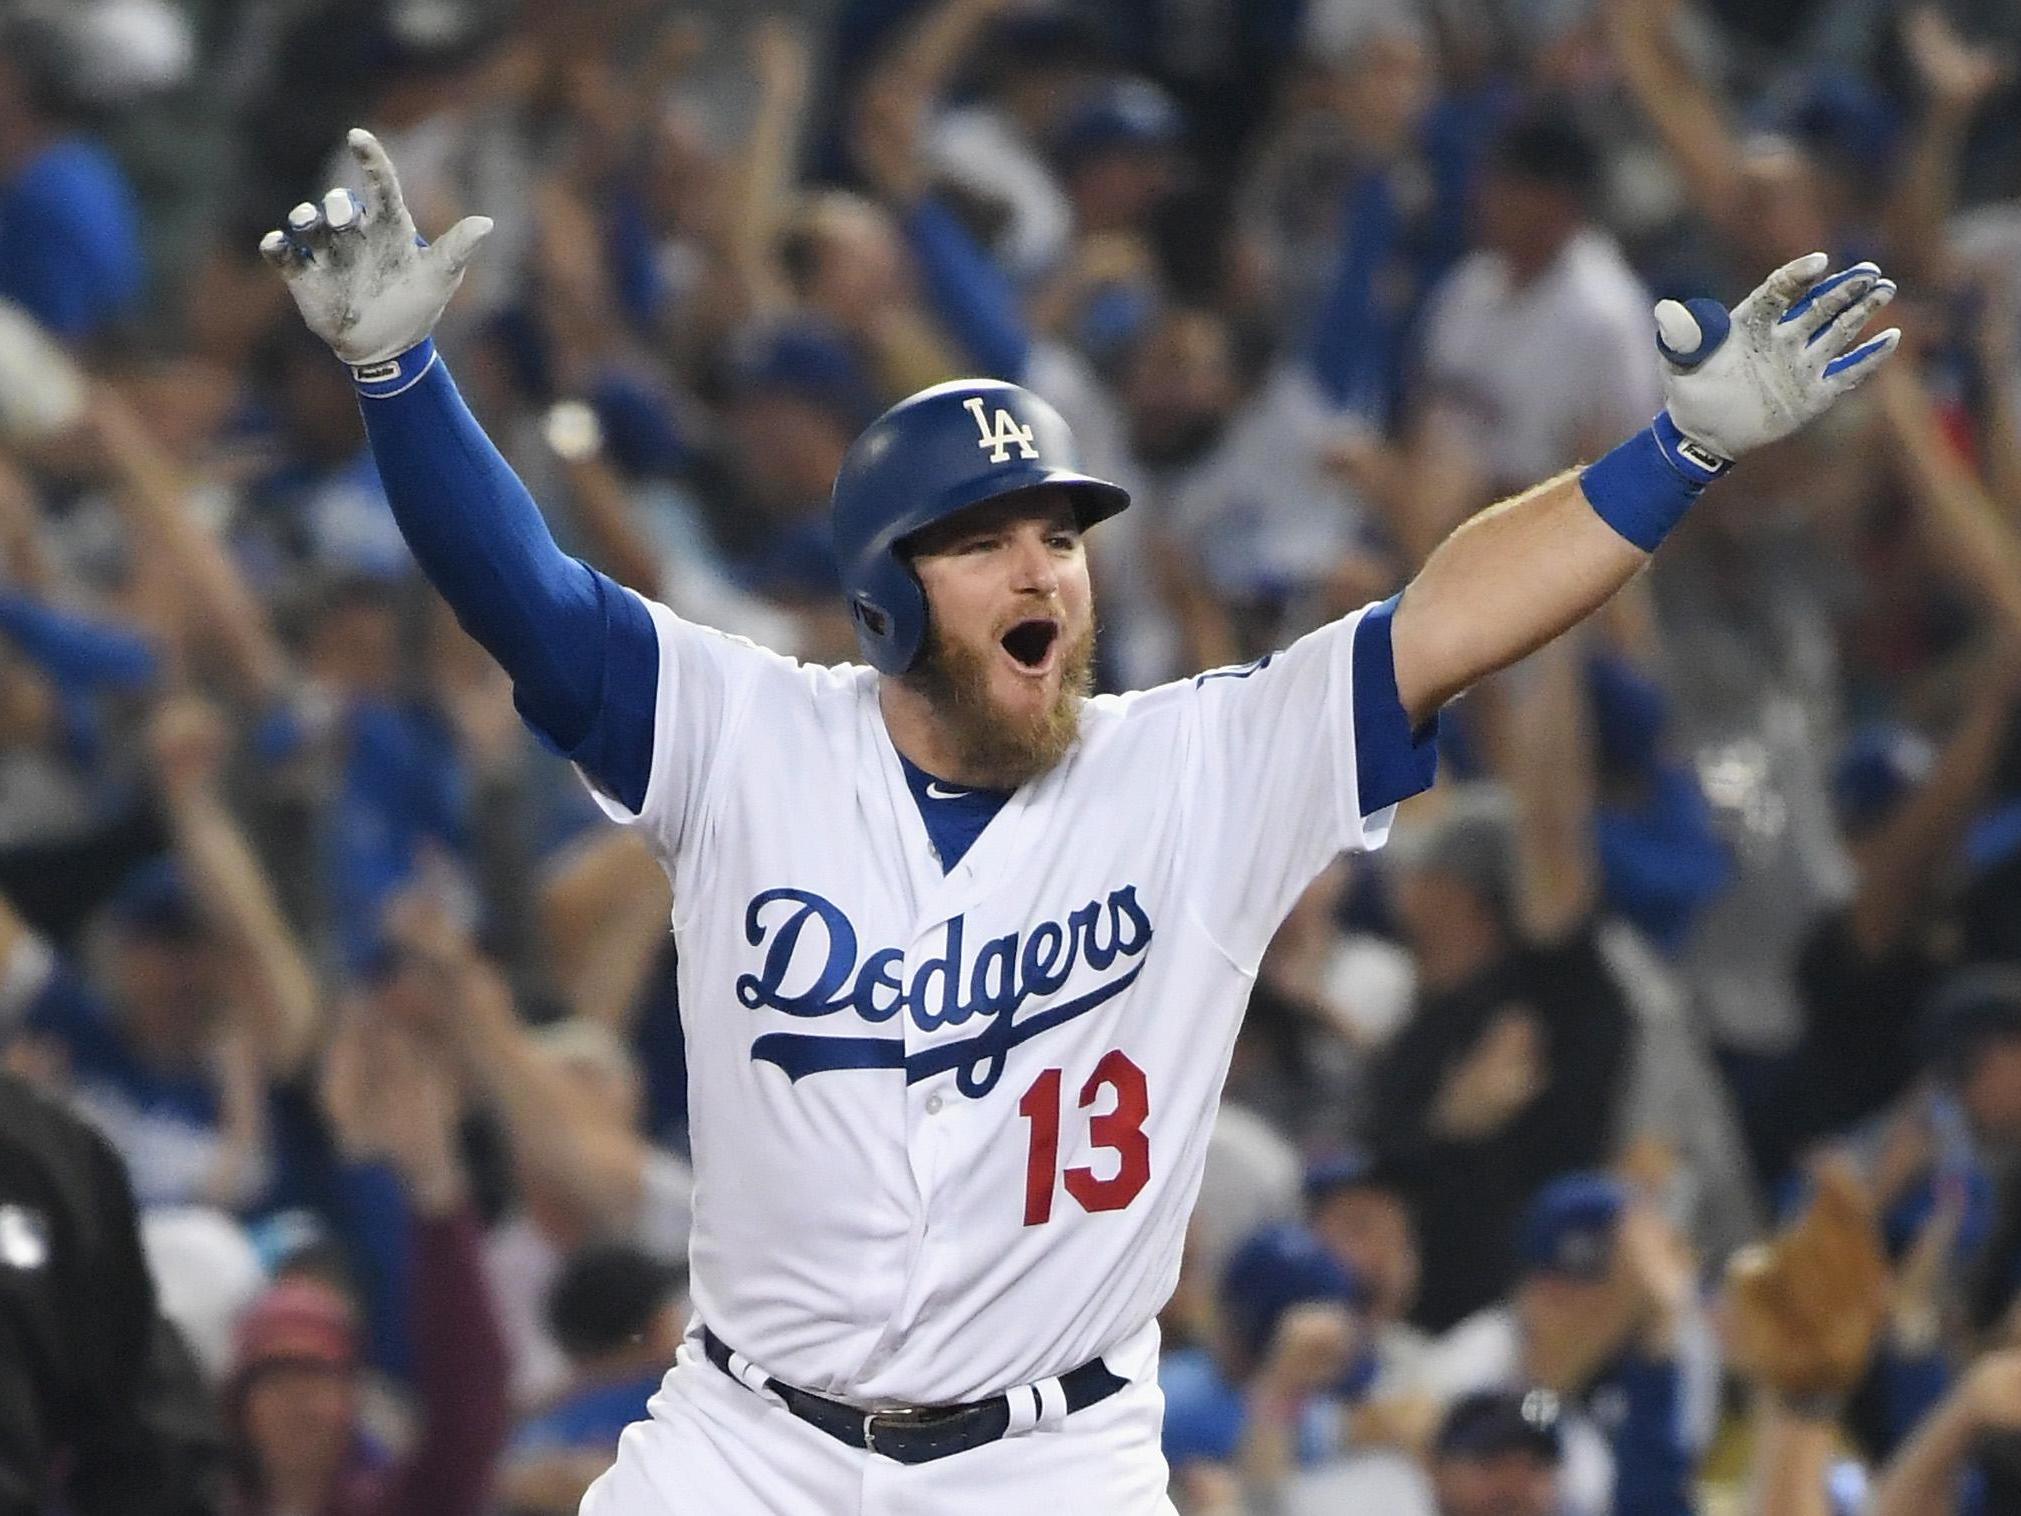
{"x": 948, "y": 1125}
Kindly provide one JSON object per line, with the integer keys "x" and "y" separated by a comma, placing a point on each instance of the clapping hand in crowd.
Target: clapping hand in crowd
{"x": 1957, "y": 76}
{"x": 390, "y": 1097}
{"x": 1572, "y": 1331}
{"x": 1494, "y": 1081}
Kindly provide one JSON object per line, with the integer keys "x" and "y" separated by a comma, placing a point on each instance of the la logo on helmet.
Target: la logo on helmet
{"x": 1002, "y": 435}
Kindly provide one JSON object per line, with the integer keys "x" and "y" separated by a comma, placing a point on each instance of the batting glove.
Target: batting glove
{"x": 1738, "y": 380}
{"x": 362, "y": 277}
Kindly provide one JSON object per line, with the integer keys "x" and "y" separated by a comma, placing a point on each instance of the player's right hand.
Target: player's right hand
{"x": 362, "y": 277}
{"x": 1740, "y": 379}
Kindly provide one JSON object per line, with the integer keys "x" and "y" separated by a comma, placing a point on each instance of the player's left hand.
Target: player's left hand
{"x": 1737, "y": 380}
{"x": 365, "y": 282}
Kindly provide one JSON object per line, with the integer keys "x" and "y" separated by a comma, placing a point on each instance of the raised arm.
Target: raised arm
{"x": 278, "y": 990}
{"x": 587, "y": 1151}
{"x": 1517, "y": 575}
{"x": 603, "y": 909}
{"x": 1687, "y": 115}
{"x": 1968, "y": 528}
{"x": 211, "y": 600}
{"x": 1924, "y": 1474}
{"x": 1905, "y": 854}
{"x": 1956, "y": 79}
{"x": 1550, "y": 772}
{"x": 928, "y": 55}
{"x": 392, "y": 1099}
{"x": 972, "y": 298}
{"x": 582, "y": 652}
{"x": 761, "y": 178}
{"x": 1997, "y": 351}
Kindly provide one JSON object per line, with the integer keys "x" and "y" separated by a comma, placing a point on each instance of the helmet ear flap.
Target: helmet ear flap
{"x": 890, "y": 616}
{"x": 873, "y": 620}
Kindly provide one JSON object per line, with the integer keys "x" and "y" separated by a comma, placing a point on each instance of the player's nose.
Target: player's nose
{"x": 1033, "y": 566}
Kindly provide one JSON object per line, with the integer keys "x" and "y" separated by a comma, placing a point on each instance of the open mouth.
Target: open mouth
{"x": 1031, "y": 643}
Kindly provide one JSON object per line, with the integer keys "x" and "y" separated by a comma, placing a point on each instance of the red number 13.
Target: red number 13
{"x": 1120, "y": 1129}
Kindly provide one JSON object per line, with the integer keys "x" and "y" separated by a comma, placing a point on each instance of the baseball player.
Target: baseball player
{"x": 962, "y": 950}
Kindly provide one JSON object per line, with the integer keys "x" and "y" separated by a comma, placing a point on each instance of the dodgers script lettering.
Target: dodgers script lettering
{"x": 812, "y": 967}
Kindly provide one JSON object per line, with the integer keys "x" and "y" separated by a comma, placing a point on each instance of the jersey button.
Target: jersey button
{"x": 933, "y": 1105}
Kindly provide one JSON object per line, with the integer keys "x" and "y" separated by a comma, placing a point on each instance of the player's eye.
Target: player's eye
{"x": 1064, "y": 542}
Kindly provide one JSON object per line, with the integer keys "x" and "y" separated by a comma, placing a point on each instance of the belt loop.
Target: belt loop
{"x": 750, "y": 1376}
{"x": 1024, "y": 1409}
{"x": 1052, "y": 1405}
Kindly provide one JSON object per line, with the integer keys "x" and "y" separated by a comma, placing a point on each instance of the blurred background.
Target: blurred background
{"x": 1714, "y": 897}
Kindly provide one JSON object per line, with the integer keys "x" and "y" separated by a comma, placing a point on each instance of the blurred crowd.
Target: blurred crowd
{"x": 1717, "y": 904}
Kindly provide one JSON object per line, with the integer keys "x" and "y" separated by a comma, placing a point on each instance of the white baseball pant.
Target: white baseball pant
{"x": 711, "y": 1447}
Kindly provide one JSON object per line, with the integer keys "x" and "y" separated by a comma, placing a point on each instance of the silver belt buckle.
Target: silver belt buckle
{"x": 906, "y": 1417}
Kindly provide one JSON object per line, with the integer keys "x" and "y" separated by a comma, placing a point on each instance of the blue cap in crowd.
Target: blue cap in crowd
{"x": 640, "y": 429}
{"x": 1842, "y": 114}
{"x": 1569, "y": 1228}
{"x": 1043, "y": 38}
{"x": 1489, "y": 1423}
{"x": 1281, "y": 1266}
{"x": 154, "y": 901}
{"x": 1125, "y": 114}
{"x": 1348, "y": 1169}
{"x": 1970, "y": 1009}
{"x": 811, "y": 361}
{"x": 1880, "y": 763}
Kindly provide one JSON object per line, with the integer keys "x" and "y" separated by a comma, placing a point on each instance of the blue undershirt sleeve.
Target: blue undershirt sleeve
{"x": 581, "y": 650}
{"x": 971, "y": 295}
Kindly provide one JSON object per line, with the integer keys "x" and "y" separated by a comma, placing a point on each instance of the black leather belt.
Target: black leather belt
{"x": 922, "y": 1434}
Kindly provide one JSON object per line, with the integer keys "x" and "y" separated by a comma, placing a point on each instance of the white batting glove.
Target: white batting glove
{"x": 1737, "y": 380}
{"x": 363, "y": 279}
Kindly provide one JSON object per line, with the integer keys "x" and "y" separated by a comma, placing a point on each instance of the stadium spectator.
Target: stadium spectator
{"x": 1512, "y": 1065}
{"x": 617, "y": 1314}
{"x": 1726, "y": 895}
{"x": 70, "y": 227}
{"x": 295, "y": 1393}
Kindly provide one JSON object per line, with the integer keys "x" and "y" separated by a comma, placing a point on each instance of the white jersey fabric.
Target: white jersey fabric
{"x": 948, "y": 1126}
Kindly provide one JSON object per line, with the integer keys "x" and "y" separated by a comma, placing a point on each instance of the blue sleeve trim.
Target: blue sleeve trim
{"x": 970, "y": 294}
{"x": 1391, "y": 762}
{"x": 617, "y": 751}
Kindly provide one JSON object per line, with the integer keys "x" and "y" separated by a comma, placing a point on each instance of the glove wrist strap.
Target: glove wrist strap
{"x": 1644, "y": 487}
{"x": 396, "y": 375}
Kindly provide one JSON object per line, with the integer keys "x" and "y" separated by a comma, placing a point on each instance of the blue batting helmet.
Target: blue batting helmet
{"x": 931, "y": 455}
